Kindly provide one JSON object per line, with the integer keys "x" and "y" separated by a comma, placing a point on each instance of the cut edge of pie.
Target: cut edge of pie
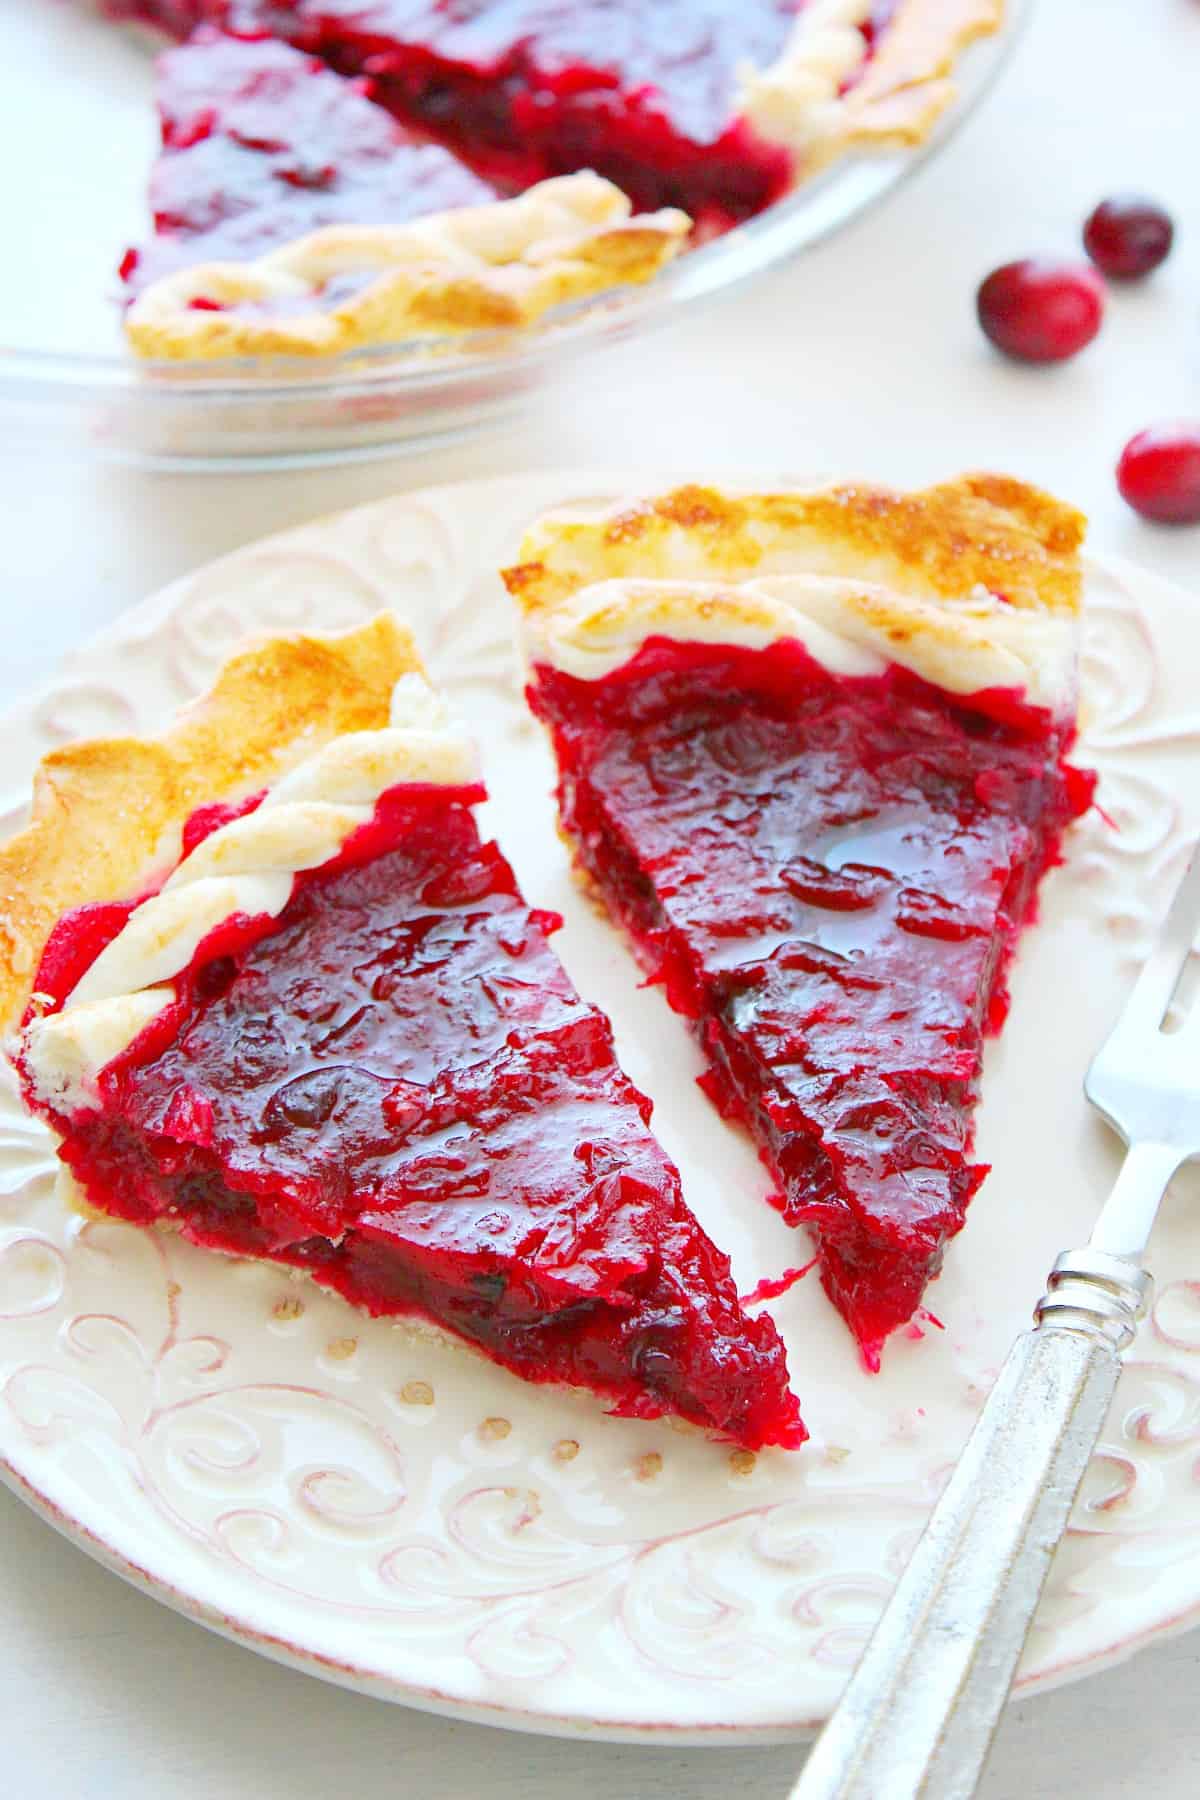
{"x": 970, "y": 590}
{"x": 499, "y": 265}
{"x": 172, "y": 909}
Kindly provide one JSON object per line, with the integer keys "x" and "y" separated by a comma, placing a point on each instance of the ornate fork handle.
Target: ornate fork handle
{"x": 918, "y": 1716}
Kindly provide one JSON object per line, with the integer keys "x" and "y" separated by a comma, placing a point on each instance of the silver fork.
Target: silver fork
{"x": 920, "y": 1711}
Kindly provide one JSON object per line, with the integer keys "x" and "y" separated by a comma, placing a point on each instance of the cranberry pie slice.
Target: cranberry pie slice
{"x": 262, "y": 145}
{"x": 810, "y": 751}
{"x": 278, "y": 995}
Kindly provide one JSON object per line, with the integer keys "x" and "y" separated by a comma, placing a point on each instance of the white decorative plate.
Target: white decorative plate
{"x": 69, "y": 82}
{"x": 409, "y": 1520}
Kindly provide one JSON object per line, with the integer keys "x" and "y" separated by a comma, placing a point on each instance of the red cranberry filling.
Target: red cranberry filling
{"x": 645, "y": 92}
{"x": 262, "y": 145}
{"x": 829, "y": 876}
{"x": 395, "y": 1086}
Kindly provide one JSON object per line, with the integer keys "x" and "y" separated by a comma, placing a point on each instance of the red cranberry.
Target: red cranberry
{"x": 1159, "y": 473}
{"x": 1128, "y": 236}
{"x": 1039, "y": 310}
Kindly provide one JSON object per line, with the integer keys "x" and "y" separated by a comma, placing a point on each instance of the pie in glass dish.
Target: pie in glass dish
{"x": 811, "y": 757}
{"x": 717, "y": 106}
{"x": 695, "y": 115}
{"x": 274, "y": 992}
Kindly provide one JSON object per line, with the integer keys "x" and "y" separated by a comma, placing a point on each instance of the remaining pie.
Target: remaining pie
{"x": 270, "y": 165}
{"x": 278, "y": 995}
{"x": 810, "y": 751}
{"x": 701, "y": 111}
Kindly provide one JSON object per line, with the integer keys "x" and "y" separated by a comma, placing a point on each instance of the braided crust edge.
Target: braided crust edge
{"x": 107, "y": 812}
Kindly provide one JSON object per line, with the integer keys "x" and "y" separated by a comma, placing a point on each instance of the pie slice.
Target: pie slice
{"x": 810, "y": 751}
{"x": 262, "y": 145}
{"x": 715, "y": 106}
{"x": 279, "y": 996}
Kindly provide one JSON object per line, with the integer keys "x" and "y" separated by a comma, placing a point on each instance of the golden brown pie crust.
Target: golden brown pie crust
{"x": 983, "y": 530}
{"x": 107, "y": 811}
{"x": 906, "y": 87}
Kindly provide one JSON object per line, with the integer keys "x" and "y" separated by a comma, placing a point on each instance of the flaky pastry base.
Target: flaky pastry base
{"x": 107, "y": 812}
{"x": 475, "y": 268}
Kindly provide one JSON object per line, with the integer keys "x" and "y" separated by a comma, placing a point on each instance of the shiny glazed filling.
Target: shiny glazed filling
{"x": 643, "y": 92}
{"x": 395, "y": 1087}
{"x": 829, "y": 876}
{"x": 262, "y": 145}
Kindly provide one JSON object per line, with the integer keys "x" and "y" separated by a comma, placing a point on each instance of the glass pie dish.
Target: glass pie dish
{"x": 67, "y": 380}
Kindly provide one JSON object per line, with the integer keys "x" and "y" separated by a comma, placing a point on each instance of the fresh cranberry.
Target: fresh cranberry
{"x": 1039, "y": 310}
{"x": 1159, "y": 473}
{"x": 1128, "y": 235}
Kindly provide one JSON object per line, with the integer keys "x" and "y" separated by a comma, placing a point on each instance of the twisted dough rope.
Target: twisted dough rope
{"x": 801, "y": 100}
{"x": 501, "y": 264}
{"x": 795, "y": 100}
{"x": 965, "y": 644}
{"x": 247, "y": 867}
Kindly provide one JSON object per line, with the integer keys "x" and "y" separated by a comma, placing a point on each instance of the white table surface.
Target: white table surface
{"x": 862, "y": 359}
